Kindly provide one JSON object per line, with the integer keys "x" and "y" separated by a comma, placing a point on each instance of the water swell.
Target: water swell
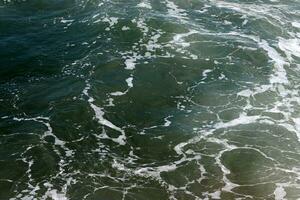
{"x": 173, "y": 103}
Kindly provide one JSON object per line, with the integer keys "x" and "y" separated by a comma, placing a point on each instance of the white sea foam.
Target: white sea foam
{"x": 51, "y": 193}
{"x": 279, "y": 193}
{"x": 242, "y": 119}
{"x": 205, "y": 72}
{"x": 140, "y": 23}
{"x": 48, "y": 132}
{"x": 175, "y": 11}
{"x": 245, "y": 93}
{"x": 66, "y": 21}
{"x": 99, "y": 115}
{"x": 118, "y": 93}
{"x": 245, "y": 22}
{"x": 178, "y": 39}
{"x": 111, "y": 20}
{"x": 130, "y": 63}
{"x": 296, "y": 24}
{"x": 297, "y": 127}
{"x": 290, "y": 47}
{"x": 167, "y": 121}
{"x": 280, "y": 75}
{"x": 55, "y": 195}
{"x": 253, "y": 10}
{"x": 215, "y": 195}
{"x": 129, "y": 82}
{"x": 125, "y": 28}
{"x": 144, "y": 4}
{"x": 153, "y": 42}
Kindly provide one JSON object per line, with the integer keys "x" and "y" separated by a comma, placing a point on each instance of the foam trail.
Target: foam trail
{"x": 99, "y": 115}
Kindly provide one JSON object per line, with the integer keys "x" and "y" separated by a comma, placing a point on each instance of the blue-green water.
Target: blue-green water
{"x": 137, "y": 100}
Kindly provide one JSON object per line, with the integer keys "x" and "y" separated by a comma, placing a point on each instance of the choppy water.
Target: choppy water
{"x": 170, "y": 99}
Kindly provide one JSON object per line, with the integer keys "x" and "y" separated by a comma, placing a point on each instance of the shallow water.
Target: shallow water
{"x": 172, "y": 99}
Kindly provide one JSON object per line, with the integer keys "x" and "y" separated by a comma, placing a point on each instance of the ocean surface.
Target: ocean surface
{"x": 149, "y": 99}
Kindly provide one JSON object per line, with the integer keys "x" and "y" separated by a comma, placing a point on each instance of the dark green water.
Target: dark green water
{"x": 149, "y": 100}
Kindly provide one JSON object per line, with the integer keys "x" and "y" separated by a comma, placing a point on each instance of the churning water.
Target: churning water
{"x": 149, "y": 99}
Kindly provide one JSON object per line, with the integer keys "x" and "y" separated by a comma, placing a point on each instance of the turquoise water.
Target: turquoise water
{"x": 137, "y": 100}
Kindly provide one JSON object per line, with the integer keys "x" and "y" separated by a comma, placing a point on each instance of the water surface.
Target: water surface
{"x": 171, "y": 99}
